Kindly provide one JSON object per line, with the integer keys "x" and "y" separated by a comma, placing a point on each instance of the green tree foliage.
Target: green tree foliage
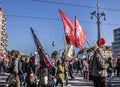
{"x": 26, "y": 56}
{"x": 13, "y": 52}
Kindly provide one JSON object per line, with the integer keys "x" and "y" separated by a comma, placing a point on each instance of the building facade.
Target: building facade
{"x": 116, "y": 43}
{"x": 3, "y": 33}
{"x": 106, "y": 52}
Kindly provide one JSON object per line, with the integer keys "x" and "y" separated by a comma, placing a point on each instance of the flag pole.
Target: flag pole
{"x": 88, "y": 43}
{"x": 68, "y": 49}
{"x": 94, "y": 46}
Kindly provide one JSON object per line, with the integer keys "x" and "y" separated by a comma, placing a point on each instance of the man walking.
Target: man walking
{"x": 99, "y": 69}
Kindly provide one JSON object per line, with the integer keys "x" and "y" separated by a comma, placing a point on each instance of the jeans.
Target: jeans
{"x": 110, "y": 78}
{"x": 22, "y": 79}
{"x": 66, "y": 78}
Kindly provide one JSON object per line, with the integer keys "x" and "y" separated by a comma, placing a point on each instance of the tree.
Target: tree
{"x": 13, "y": 52}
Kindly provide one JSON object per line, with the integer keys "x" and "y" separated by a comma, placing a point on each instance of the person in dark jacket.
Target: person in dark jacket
{"x": 71, "y": 69}
{"x": 118, "y": 66}
{"x": 14, "y": 72}
{"x": 79, "y": 66}
{"x": 30, "y": 72}
{"x": 2, "y": 66}
{"x": 110, "y": 70}
{"x": 22, "y": 69}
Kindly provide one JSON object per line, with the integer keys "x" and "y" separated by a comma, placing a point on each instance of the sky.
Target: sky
{"x": 44, "y": 18}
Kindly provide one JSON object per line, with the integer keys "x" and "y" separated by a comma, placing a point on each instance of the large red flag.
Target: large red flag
{"x": 68, "y": 29}
{"x": 79, "y": 35}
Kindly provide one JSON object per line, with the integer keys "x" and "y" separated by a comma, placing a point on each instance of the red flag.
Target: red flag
{"x": 79, "y": 35}
{"x": 68, "y": 28}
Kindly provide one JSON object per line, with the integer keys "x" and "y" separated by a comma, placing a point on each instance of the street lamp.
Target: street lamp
{"x": 53, "y": 45}
{"x": 98, "y": 16}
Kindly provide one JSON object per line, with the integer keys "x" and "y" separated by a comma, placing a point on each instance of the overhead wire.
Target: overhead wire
{"x": 52, "y": 19}
{"x": 76, "y": 5}
{"x": 55, "y": 19}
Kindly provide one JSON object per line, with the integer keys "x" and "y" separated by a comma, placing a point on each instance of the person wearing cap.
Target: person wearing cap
{"x": 99, "y": 69}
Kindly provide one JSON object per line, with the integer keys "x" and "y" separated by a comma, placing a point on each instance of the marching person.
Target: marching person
{"x": 14, "y": 72}
{"x": 71, "y": 69}
{"x": 66, "y": 65}
{"x": 45, "y": 77}
{"x": 79, "y": 66}
{"x": 60, "y": 73}
{"x": 22, "y": 70}
{"x": 85, "y": 69}
{"x": 118, "y": 66}
{"x": 110, "y": 70}
{"x": 99, "y": 69}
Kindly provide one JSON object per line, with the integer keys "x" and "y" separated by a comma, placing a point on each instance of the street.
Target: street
{"x": 77, "y": 82}
{"x": 80, "y": 82}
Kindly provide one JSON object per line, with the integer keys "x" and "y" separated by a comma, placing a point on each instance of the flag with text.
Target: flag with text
{"x": 80, "y": 35}
{"x": 68, "y": 28}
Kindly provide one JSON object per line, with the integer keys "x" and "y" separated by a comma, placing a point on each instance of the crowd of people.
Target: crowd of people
{"x": 24, "y": 72}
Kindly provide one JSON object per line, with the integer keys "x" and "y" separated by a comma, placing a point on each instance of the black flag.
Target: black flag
{"x": 42, "y": 54}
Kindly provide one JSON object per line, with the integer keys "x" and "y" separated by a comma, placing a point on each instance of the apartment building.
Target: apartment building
{"x": 116, "y": 43}
{"x": 3, "y": 33}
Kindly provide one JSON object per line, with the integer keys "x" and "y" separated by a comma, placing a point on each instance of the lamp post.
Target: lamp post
{"x": 98, "y": 15}
{"x": 53, "y": 45}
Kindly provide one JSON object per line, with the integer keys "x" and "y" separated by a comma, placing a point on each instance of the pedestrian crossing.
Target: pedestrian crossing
{"x": 80, "y": 82}
{"x": 3, "y": 78}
